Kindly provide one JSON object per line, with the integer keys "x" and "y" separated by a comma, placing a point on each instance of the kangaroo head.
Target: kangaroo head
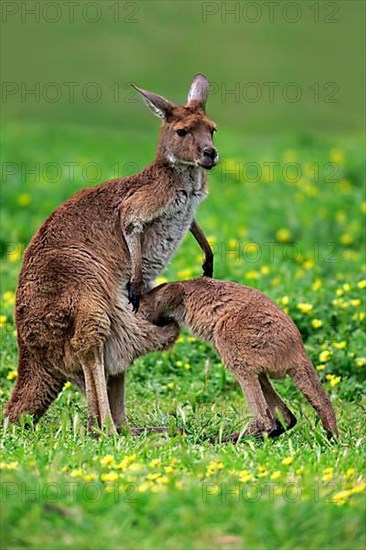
{"x": 162, "y": 302}
{"x": 186, "y": 136}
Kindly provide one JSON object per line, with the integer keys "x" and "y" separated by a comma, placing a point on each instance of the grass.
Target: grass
{"x": 299, "y": 239}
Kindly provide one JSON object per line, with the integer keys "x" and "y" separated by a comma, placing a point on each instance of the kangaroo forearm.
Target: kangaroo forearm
{"x": 133, "y": 241}
{"x": 205, "y": 246}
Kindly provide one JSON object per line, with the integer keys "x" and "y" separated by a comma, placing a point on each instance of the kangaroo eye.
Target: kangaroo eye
{"x": 182, "y": 132}
{"x": 213, "y": 130}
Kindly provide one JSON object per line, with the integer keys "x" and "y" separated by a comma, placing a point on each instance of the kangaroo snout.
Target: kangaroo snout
{"x": 210, "y": 157}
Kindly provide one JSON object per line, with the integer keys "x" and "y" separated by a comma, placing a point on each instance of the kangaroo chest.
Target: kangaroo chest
{"x": 163, "y": 235}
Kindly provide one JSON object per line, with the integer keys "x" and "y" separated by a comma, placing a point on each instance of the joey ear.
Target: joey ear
{"x": 160, "y": 106}
{"x": 198, "y": 91}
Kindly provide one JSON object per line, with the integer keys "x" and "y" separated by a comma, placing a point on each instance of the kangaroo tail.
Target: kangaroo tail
{"x": 35, "y": 389}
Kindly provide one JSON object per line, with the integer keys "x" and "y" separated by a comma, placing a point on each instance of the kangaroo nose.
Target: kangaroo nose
{"x": 210, "y": 152}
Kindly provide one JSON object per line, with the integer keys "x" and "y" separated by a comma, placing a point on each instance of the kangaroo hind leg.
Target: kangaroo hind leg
{"x": 277, "y": 407}
{"x": 91, "y": 329}
{"x": 306, "y": 379}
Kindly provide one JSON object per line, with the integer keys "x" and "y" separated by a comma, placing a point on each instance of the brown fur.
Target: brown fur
{"x": 96, "y": 253}
{"x": 254, "y": 338}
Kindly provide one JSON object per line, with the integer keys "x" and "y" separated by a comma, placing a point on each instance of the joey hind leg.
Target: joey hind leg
{"x": 263, "y": 421}
{"x": 305, "y": 377}
{"x": 277, "y": 406}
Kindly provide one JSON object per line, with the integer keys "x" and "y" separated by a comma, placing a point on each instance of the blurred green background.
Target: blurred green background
{"x": 160, "y": 45}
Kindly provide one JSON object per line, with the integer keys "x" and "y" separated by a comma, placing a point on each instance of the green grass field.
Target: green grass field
{"x": 294, "y": 229}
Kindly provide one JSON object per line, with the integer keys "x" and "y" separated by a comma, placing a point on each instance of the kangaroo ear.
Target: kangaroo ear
{"x": 198, "y": 92}
{"x": 160, "y": 106}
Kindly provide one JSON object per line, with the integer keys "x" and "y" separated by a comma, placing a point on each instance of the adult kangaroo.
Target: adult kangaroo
{"x": 86, "y": 267}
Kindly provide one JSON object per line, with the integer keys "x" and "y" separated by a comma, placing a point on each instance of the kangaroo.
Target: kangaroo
{"x": 254, "y": 338}
{"x": 96, "y": 254}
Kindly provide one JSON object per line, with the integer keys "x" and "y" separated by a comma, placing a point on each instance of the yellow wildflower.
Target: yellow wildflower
{"x": 187, "y": 366}
{"x": 170, "y": 386}
{"x": 360, "y": 361}
{"x": 214, "y": 467}
{"x": 24, "y": 199}
{"x": 245, "y": 476}
{"x": 346, "y": 239}
{"x": 285, "y": 300}
{"x": 233, "y": 243}
{"x": 350, "y": 473}
{"x": 153, "y": 477}
{"x": 328, "y": 474}
{"x": 15, "y": 254}
{"x": 164, "y": 480}
{"x": 325, "y": 356}
{"x": 8, "y": 465}
{"x": 347, "y": 287}
{"x": 316, "y": 323}
{"x": 144, "y": 487}
{"x": 251, "y": 248}
{"x": 362, "y": 284}
{"x": 76, "y": 473}
{"x": 360, "y": 488}
{"x": 185, "y": 273}
{"x": 337, "y": 155}
{"x": 356, "y": 302}
{"x": 287, "y": 461}
{"x": 160, "y": 280}
{"x": 12, "y": 374}
{"x": 283, "y": 235}
{"x": 320, "y": 367}
{"x": 340, "y": 497}
{"x": 276, "y": 474}
{"x": 9, "y": 298}
{"x": 333, "y": 379}
{"x": 252, "y": 275}
{"x": 109, "y": 476}
{"x": 265, "y": 270}
{"x": 3, "y": 319}
{"x": 155, "y": 462}
{"x": 316, "y": 285}
{"x": 67, "y": 385}
{"x": 107, "y": 460}
{"x": 339, "y": 345}
{"x": 304, "y": 308}
{"x": 89, "y": 477}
